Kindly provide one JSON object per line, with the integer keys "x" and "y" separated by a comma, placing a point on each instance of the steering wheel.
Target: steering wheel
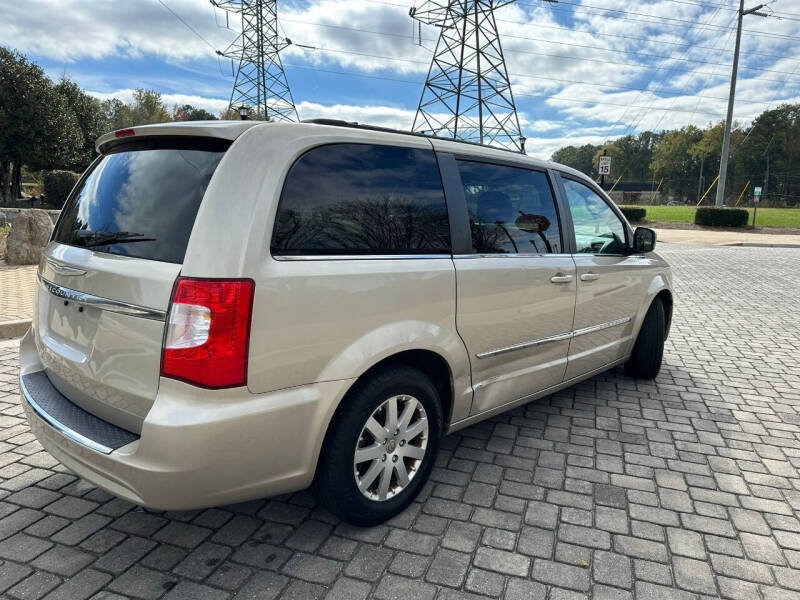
{"x": 609, "y": 245}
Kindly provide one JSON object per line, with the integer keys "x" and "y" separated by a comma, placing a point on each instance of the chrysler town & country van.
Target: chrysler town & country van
{"x": 231, "y": 310}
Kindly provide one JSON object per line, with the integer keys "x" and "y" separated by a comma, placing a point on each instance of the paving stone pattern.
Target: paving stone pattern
{"x": 17, "y": 286}
{"x": 680, "y": 488}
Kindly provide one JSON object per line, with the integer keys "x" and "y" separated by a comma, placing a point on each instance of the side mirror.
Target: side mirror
{"x": 644, "y": 240}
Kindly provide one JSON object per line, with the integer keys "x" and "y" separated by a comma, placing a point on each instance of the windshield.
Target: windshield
{"x": 140, "y": 203}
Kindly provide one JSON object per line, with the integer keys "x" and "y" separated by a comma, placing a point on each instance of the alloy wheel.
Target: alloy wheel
{"x": 391, "y": 447}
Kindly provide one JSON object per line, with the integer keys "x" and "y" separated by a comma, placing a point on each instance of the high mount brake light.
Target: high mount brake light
{"x": 124, "y": 133}
{"x": 208, "y": 332}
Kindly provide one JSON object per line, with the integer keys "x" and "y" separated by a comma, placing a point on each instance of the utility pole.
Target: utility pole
{"x": 467, "y": 94}
{"x": 261, "y": 81}
{"x": 765, "y": 191}
{"x": 700, "y": 181}
{"x": 726, "y": 138}
{"x": 603, "y": 175}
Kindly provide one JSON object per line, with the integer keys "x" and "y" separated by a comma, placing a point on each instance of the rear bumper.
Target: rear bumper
{"x": 200, "y": 448}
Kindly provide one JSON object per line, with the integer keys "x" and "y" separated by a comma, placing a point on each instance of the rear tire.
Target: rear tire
{"x": 354, "y": 462}
{"x": 645, "y": 360}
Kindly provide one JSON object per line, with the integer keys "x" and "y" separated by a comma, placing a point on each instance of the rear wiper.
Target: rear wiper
{"x": 100, "y": 238}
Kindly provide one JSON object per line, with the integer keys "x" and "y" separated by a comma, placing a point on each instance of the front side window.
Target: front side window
{"x": 598, "y": 230}
{"x": 511, "y": 210}
{"x": 362, "y": 199}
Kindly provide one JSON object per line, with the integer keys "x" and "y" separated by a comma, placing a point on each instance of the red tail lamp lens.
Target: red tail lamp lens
{"x": 208, "y": 332}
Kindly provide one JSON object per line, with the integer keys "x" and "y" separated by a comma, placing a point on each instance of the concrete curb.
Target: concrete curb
{"x": 759, "y": 245}
{"x": 14, "y": 329}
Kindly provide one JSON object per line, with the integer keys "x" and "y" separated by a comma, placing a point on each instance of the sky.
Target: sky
{"x": 582, "y": 71}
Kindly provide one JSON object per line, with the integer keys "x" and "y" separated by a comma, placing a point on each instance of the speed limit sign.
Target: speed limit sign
{"x": 604, "y": 167}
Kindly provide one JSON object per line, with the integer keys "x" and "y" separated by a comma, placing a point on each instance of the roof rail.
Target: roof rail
{"x": 355, "y": 125}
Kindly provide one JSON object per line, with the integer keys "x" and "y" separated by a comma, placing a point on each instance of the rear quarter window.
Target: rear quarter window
{"x": 141, "y": 200}
{"x": 362, "y": 199}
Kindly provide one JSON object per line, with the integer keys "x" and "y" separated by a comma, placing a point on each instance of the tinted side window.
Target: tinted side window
{"x": 362, "y": 199}
{"x": 511, "y": 210}
{"x": 598, "y": 230}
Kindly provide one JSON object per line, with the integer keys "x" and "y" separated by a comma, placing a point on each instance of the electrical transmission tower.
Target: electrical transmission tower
{"x": 467, "y": 93}
{"x": 260, "y": 80}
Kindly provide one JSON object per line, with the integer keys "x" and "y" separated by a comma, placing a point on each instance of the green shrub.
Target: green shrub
{"x": 634, "y": 214}
{"x": 58, "y": 185}
{"x": 721, "y": 217}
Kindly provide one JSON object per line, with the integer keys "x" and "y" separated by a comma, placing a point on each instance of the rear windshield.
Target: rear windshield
{"x": 142, "y": 200}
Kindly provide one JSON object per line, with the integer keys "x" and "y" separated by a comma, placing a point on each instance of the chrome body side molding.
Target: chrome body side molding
{"x": 476, "y": 418}
{"x": 554, "y": 338}
{"x": 298, "y": 257}
{"x": 531, "y": 343}
{"x": 600, "y": 327}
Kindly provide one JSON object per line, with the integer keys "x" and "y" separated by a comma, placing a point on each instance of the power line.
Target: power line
{"x": 666, "y": 21}
{"x": 566, "y": 99}
{"x": 192, "y": 29}
{"x": 740, "y": 144}
{"x": 578, "y": 31}
{"x": 640, "y": 116}
{"x": 520, "y": 75}
{"x": 530, "y": 52}
{"x": 632, "y": 52}
{"x": 708, "y": 80}
{"x": 550, "y": 96}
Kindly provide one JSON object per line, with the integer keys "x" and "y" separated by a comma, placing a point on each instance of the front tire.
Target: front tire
{"x": 381, "y": 446}
{"x": 645, "y": 360}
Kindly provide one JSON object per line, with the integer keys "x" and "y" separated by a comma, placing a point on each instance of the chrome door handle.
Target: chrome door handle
{"x": 561, "y": 278}
{"x": 590, "y": 277}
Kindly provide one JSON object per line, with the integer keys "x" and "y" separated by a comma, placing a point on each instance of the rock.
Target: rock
{"x": 30, "y": 232}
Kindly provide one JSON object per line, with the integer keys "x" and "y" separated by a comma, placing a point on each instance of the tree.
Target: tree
{"x": 148, "y": 108}
{"x": 630, "y": 156}
{"x": 673, "y": 162}
{"x": 37, "y": 126}
{"x": 90, "y": 118}
{"x": 145, "y": 108}
{"x": 774, "y": 140}
{"x": 187, "y": 112}
{"x": 577, "y": 157}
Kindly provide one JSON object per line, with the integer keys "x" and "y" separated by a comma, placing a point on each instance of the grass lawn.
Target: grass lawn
{"x": 767, "y": 217}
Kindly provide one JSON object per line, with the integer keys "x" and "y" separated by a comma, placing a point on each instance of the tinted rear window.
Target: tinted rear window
{"x": 362, "y": 199}
{"x": 140, "y": 202}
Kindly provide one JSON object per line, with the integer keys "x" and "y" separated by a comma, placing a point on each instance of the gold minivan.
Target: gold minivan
{"x": 231, "y": 310}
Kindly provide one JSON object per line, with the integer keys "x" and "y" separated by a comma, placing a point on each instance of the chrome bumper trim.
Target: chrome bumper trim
{"x": 60, "y": 427}
{"x": 116, "y": 306}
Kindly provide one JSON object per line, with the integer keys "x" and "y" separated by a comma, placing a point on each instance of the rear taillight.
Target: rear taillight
{"x": 208, "y": 332}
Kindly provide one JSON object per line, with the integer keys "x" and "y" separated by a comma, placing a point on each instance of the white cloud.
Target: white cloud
{"x": 574, "y": 82}
{"x": 67, "y": 30}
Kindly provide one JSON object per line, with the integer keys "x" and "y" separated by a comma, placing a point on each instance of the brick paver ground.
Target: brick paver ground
{"x": 17, "y": 286}
{"x": 670, "y": 489}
